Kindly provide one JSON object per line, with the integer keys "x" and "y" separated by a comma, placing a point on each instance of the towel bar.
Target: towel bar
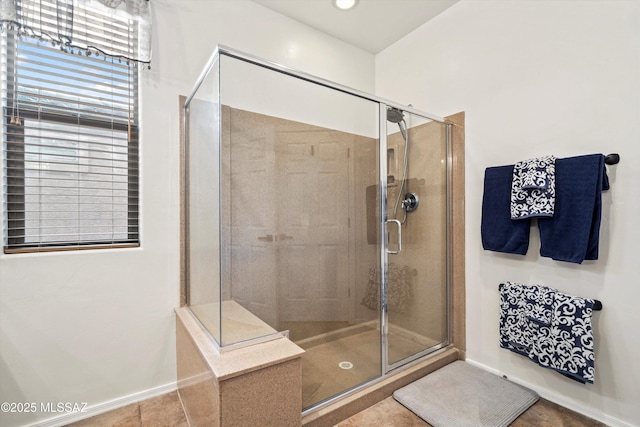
{"x": 597, "y": 305}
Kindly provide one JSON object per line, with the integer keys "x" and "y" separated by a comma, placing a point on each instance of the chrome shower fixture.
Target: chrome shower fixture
{"x": 410, "y": 202}
{"x": 394, "y": 115}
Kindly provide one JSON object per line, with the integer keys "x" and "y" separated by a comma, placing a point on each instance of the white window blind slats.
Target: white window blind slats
{"x": 87, "y": 71}
{"x": 87, "y": 127}
{"x": 65, "y": 106}
{"x": 71, "y": 80}
{"x": 46, "y": 52}
{"x": 47, "y": 84}
{"x": 58, "y": 142}
{"x": 70, "y": 148}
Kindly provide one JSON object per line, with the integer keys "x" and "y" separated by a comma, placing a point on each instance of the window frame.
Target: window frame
{"x": 15, "y": 213}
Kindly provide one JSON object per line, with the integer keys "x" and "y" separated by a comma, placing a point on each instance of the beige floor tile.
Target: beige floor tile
{"x": 161, "y": 411}
{"x": 127, "y": 416}
{"x": 166, "y": 411}
{"x": 387, "y": 413}
{"x": 548, "y": 414}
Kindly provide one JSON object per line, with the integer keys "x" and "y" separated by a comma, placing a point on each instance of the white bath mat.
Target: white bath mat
{"x": 462, "y": 395}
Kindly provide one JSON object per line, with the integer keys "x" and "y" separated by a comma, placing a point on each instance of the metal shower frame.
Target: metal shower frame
{"x": 383, "y": 206}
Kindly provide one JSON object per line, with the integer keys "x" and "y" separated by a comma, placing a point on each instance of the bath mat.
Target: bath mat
{"x": 462, "y": 395}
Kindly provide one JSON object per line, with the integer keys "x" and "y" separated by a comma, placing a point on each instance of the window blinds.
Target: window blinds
{"x": 110, "y": 27}
{"x": 70, "y": 146}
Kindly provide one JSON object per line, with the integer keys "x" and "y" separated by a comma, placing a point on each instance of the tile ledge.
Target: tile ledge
{"x": 229, "y": 364}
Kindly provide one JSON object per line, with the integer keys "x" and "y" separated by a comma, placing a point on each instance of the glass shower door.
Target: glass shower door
{"x": 417, "y": 274}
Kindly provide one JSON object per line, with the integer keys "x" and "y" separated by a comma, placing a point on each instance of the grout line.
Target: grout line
{"x": 184, "y": 409}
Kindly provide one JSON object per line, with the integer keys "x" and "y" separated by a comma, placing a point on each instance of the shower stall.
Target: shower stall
{"x": 316, "y": 212}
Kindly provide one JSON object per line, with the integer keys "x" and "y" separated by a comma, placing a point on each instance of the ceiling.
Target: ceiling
{"x": 372, "y": 25}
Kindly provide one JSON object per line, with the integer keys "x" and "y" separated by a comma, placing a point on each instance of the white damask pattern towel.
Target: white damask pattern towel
{"x": 550, "y": 328}
{"x": 539, "y": 303}
{"x": 523, "y": 309}
{"x": 533, "y": 188}
{"x": 566, "y": 345}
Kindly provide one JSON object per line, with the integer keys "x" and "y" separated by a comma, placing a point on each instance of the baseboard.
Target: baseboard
{"x": 109, "y": 405}
{"x": 558, "y": 398}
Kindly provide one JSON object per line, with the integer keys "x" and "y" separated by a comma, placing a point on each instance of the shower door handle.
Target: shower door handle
{"x": 399, "y": 224}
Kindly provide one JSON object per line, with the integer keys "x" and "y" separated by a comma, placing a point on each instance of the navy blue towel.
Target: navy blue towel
{"x": 573, "y": 234}
{"x": 499, "y": 232}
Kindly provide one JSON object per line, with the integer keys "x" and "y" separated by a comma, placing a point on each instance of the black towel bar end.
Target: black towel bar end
{"x": 597, "y": 305}
{"x": 612, "y": 159}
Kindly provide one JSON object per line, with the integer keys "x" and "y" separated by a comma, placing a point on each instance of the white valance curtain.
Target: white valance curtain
{"x": 112, "y": 28}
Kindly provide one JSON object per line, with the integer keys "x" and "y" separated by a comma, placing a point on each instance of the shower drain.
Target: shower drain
{"x": 345, "y": 365}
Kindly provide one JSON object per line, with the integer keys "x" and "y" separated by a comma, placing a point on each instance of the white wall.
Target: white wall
{"x": 97, "y": 326}
{"x": 256, "y": 89}
{"x": 536, "y": 78}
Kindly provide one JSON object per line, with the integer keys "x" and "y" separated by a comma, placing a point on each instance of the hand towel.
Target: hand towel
{"x": 499, "y": 233}
{"x": 539, "y": 303}
{"x": 566, "y": 345}
{"x": 533, "y": 188}
{"x": 519, "y": 306}
{"x": 573, "y": 234}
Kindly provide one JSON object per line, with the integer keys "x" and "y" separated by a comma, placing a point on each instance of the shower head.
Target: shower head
{"x": 394, "y": 115}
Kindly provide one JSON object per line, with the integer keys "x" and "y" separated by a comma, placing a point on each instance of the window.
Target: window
{"x": 70, "y": 146}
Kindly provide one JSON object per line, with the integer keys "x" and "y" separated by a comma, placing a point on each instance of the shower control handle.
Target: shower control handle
{"x": 399, "y": 224}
